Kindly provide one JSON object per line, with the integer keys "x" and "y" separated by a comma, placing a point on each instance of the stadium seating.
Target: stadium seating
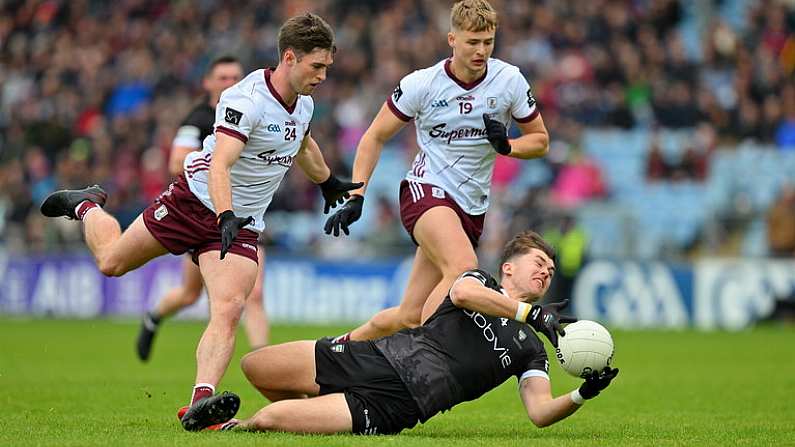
{"x": 671, "y": 214}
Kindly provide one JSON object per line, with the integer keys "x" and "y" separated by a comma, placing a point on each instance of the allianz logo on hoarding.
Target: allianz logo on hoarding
{"x": 304, "y": 292}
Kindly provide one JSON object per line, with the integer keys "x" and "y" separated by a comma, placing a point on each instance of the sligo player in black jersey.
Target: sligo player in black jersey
{"x": 481, "y": 334}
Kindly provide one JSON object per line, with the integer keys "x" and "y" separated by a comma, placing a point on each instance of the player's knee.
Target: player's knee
{"x": 459, "y": 265}
{"x": 410, "y": 319}
{"x": 254, "y": 298}
{"x": 190, "y": 295}
{"x": 268, "y": 418}
{"x": 386, "y": 322}
{"x": 111, "y": 266}
{"x": 227, "y": 312}
{"x": 247, "y": 364}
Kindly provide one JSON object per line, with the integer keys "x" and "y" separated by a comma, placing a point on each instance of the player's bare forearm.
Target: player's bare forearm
{"x": 542, "y": 409}
{"x": 220, "y": 187}
{"x": 311, "y": 161}
{"x": 384, "y": 126}
{"x": 226, "y": 153}
{"x": 367, "y": 154}
{"x": 177, "y": 159}
{"x": 534, "y": 142}
{"x": 535, "y": 145}
{"x": 470, "y": 294}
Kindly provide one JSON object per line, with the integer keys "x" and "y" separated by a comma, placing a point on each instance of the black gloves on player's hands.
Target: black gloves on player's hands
{"x": 597, "y": 381}
{"x": 497, "y": 135}
{"x": 547, "y": 320}
{"x": 335, "y": 191}
{"x": 346, "y": 215}
{"x": 230, "y": 225}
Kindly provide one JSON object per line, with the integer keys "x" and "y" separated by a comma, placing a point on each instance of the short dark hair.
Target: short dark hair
{"x": 522, "y": 243}
{"x": 304, "y": 33}
{"x": 225, "y": 59}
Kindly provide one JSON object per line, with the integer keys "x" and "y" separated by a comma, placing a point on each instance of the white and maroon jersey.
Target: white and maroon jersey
{"x": 454, "y": 152}
{"x": 253, "y": 112}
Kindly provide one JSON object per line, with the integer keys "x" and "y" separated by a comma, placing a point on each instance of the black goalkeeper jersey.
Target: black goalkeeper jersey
{"x": 458, "y": 355}
{"x": 196, "y": 126}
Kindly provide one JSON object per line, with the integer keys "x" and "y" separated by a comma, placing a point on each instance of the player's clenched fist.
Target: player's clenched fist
{"x": 347, "y": 214}
{"x": 497, "y": 135}
{"x": 230, "y": 225}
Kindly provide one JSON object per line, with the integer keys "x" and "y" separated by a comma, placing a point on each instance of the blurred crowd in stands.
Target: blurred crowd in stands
{"x": 92, "y": 92}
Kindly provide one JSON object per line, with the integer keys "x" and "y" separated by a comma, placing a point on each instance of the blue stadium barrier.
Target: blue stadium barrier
{"x": 727, "y": 294}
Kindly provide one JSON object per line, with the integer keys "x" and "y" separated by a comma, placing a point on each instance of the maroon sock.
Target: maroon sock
{"x": 200, "y": 392}
{"x": 84, "y": 207}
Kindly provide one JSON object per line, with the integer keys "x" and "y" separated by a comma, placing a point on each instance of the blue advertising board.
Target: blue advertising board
{"x": 300, "y": 290}
{"x": 712, "y": 293}
{"x": 720, "y": 293}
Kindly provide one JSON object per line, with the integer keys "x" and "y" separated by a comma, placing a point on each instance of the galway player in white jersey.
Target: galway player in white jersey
{"x": 461, "y": 108}
{"x": 222, "y": 73}
{"x": 215, "y": 210}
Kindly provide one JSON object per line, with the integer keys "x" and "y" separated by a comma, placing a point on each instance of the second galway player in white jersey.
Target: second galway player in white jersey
{"x": 462, "y": 107}
{"x": 216, "y": 208}
{"x": 455, "y": 153}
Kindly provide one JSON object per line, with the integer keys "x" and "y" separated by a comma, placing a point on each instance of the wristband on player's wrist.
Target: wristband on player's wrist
{"x": 522, "y": 311}
{"x": 576, "y": 397}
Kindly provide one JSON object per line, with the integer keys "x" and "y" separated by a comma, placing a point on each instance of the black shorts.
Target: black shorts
{"x": 378, "y": 400}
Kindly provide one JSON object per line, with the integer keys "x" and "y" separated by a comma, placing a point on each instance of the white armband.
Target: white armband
{"x": 576, "y": 397}
{"x": 521, "y": 312}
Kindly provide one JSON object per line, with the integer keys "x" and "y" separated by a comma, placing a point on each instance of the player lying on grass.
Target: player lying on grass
{"x": 476, "y": 339}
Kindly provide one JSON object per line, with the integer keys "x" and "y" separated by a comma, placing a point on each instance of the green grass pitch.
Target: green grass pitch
{"x": 78, "y": 383}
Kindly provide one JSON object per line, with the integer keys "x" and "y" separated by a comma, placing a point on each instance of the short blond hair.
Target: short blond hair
{"x": 473, "y": 15}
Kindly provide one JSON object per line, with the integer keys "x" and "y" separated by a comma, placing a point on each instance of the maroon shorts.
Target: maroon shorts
{"x": 417, "y": 198}
{"x": 181, "y": 223}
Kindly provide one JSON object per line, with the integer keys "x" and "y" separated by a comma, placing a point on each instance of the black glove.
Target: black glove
{"x": 547, "y": 319}
{"x": 497, "y": 135}
{"x": 335, "y": 191}
{"x": 597, "y": 381}
{"x": 230, "y": 225}
{"x": 347, "y": 214}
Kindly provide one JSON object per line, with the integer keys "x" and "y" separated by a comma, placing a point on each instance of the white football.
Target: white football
{"x": 587, "y": 346}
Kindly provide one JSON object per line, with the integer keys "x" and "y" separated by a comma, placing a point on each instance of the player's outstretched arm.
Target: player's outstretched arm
{"x": 311, "y": 161}
{"x": 533, "y": 143}
{"x": 384, "y": 126}
{"x": 382, "y": 129}
{"x": 544, "y": 410}
{"x": 470, "y": 293}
